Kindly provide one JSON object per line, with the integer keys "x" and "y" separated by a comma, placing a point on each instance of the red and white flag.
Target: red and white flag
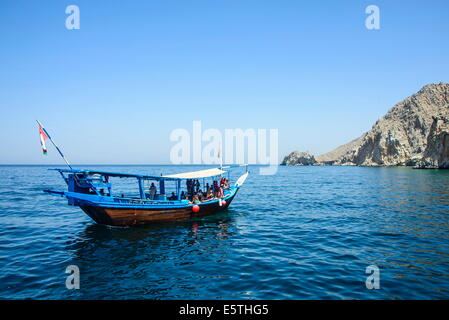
{"x": 43, "y": 135}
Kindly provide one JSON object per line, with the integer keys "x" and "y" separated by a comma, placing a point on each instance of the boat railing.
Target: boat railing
{"x": 116, "y": 199}
{"x": 142, "y": 201}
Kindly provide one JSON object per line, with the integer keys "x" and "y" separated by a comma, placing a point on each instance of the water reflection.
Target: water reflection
{"x": 148, "y": 258}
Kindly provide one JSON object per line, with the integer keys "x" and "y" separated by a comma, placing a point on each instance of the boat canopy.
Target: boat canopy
{"x": 179, "y": 176}
{"x": 113, "y": 174}
{"x": 197, "y": 174}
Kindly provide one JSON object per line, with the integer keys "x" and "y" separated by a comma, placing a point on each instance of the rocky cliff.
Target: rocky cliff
{"x": 436, "y": 154}
{"x": 413, "y": 132}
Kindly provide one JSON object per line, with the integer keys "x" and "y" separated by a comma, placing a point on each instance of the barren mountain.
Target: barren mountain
{"x": 413, "y": 132}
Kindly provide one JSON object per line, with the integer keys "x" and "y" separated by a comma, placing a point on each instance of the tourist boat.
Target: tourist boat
{"x": 92, "y": 191}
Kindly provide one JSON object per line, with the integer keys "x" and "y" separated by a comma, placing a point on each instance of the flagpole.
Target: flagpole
{"x": 220, "y": 156}
{"x": 63, "y": 157}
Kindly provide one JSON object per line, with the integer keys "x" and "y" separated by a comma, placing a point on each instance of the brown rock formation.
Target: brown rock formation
{"x": 407, "y": 135}
{"x": 297, "y": 158}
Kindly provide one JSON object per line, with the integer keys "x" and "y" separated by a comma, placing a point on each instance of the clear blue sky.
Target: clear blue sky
{"x": 112, "y": 91}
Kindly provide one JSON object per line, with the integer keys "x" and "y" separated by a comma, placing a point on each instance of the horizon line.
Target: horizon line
{"x": 123, "y": 164}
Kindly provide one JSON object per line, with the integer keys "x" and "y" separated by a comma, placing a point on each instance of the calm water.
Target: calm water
{"x": 305, "y": 233}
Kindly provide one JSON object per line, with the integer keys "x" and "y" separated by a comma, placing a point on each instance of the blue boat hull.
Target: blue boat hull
{"x": 92, "y": 191}
{"x": 131, "y": 216}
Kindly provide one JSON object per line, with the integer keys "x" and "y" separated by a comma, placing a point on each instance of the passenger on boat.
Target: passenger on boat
{"x": 184, "y": 196}
{"x": 216, "y": 186}
{"x": 200, "y": 195}
{"x": 190, "y": 187}
{"x": 153, "y": 191}
{"x": 209, "y": 195}
{"x": 195, "y": 199}
{"x": 220, "y": 193}
{"x": 172, "y": 197}
{"x": 197, "y": 185}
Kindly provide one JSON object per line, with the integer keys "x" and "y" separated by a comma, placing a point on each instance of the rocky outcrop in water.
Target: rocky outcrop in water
{"x": 413, "y": 132}
{"x": 297, "y": 158}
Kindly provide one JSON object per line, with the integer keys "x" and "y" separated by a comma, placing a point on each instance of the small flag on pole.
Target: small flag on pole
{"x": 43, "y": 136}
{"x": 220, "y": 158}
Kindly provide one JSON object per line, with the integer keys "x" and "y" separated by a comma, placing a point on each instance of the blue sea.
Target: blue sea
{"x": 304, "y": 233}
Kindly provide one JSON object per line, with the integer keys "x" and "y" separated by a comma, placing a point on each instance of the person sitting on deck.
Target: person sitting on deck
{"x": 216, "y": 186}
{"x": 209, "y": 195}
{"x": 195, "y": 199}
{"x": 200, "y": 195}
{"x": 226, "y": 184}
{"x": 172, "y": 197}
{"x": 153, "y": 191}
{"x": 220, "y": 193}
{"x": 184, "y": 196}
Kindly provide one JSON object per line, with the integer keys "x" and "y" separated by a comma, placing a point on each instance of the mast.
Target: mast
{"x": 220, "y": 156}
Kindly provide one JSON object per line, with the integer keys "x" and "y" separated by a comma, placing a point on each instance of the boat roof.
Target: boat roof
{"x": 197, "y": 174}
{"x": 180, "y": 176}
{"x": 111, "y": 174}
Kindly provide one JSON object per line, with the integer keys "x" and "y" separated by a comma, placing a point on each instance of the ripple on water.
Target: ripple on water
{"x": 304, "y": 233}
